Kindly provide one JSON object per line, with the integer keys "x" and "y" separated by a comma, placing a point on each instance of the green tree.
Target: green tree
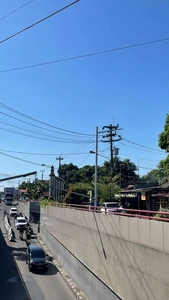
{"x": 107, "y": 189}
{"x": 77, "y": 193}
{"x": 69, "y": 173}
{"x": 35, "y": 189}
{"x": 151, "y": 178}
{"x": 163, "y": 138}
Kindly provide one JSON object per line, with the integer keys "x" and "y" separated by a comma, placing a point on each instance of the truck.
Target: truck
{"x": 9, "y": 195}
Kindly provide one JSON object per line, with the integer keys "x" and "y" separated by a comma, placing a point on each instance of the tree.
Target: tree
{"x": 107, "y": 190}
{"x": 163, "y": 139}
{"x": 77, "y": 193}
{"x": 68, "y": 172}
{"x": 35, "y": 189}
{"x": 151, "y": 178}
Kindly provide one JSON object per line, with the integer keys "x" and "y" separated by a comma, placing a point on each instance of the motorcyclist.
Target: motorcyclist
{"x": 21, "y": 234}
{"x": 28, "y": 236}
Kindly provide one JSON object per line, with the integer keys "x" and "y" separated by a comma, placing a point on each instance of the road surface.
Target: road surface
{"x": 17, "y": 283}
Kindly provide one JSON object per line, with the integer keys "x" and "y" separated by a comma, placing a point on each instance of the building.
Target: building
{"x": 149, "y": 198}
{"x": 56, "y": 187}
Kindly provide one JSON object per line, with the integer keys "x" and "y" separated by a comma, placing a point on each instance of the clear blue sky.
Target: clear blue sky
{"x": 129, "y": 86}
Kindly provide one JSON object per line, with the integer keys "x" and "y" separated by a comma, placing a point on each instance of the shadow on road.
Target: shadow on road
{"x": 12, "y": 286}
{"x": 52, "y": 270}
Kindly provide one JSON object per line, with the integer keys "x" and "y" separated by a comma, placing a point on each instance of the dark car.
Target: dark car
{"x": 36, "y": 258}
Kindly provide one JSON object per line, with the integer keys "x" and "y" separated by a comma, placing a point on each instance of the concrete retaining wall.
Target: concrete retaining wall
{"x": 129, "y": 255}
{"x": 31, "y": 210}
{"x": 24, "y": 207}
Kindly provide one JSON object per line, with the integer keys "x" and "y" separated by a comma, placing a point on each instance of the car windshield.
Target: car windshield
{"x": 21, "y": 221}
{"x": 38, "y": 254}
{"x": 112, "y": 205}
{"x": 13, "y": 209}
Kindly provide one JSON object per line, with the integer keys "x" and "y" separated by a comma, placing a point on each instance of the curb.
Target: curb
{"x": 72, "y": 285}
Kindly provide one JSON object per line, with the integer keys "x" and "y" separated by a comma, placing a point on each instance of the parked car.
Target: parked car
{"x": 36, "y": 258}
{"x": 13, "y": 211}
{"x": 21, "y": 223}
{"x": 110, "y": 207}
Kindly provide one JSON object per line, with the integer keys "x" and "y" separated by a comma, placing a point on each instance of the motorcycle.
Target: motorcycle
{"x": 28, "y": 242}
{"x": 30, "y": 230}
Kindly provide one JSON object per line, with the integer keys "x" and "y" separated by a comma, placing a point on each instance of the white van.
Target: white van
{"x": 20, "y": 223}
{"x": 110, "y": 207}
{"x": 13, "y": 211}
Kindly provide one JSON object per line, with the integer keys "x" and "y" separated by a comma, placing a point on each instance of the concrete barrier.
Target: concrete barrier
{"x": 11, "y": 234}
{"x": 110, "y": 256}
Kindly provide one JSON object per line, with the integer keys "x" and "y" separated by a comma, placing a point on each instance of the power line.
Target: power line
{"x": 41, "y": 154}
{"x": 42, "y": 134}
{"x": 85, "y": 55}
{"x": 46, "y": 124}
{"x": 34, "y": 24}
{"x": 144, "y": 146}
{"x": 142, "y": 149}
{"x": 33, "y": 125}
{"x": 144, "y": 159}
{"x": 24, "y": 160}
{"x": 40, "y": 138}
{"x": 84, "y": 160}
{"x": 12, "y": 12}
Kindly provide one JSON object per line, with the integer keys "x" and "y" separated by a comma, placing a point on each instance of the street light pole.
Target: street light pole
{"x": 96, "y": 163}
{"x": 42, "y": 173}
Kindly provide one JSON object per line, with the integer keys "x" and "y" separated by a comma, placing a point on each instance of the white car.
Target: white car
{"x": 20, "y": 223}
{"x": 110, "y": 207}
{"x": 13, "y": 211}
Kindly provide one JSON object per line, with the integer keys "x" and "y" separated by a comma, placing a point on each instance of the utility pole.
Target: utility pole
{"x": 42, "y": 173}
{"x": 59, "y": 159}
{"x": 111, "y": 137}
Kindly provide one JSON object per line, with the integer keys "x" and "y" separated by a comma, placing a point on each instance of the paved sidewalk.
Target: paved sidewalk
{"x": 73, "y": 286}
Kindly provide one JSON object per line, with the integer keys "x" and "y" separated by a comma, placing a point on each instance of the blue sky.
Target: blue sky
{"x": 128, "y": 87}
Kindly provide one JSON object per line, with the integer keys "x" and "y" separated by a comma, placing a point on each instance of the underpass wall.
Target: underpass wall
{"x": 30, "y": 209}
{"x": 24, "y": 207}
{"x": 110, "y": 256}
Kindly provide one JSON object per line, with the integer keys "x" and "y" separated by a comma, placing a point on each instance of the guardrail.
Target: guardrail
{"x": 126, "y": 212}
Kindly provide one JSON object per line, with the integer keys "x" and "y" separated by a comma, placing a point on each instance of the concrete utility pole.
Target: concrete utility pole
{"x": 112, "y": 137}
{"x": 59, "y": 159}
{"x": 42, "y": 173}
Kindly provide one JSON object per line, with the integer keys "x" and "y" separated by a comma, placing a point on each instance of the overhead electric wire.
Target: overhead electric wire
{"x": 33, "y": 125}
{"x": 34, "y": 24}
{"x": 12, "y": 12}
{"x": 84, "y": 159}
{"x": 86, "y": 55}
{"x": 40, "y": 138}
{"x": 46, "y": 124}
{"x": 126, "y": 155}
{"x": 142, "y": 149}
{"x": 21, "y": 159}
{"x": 40, "y": 133}
{"x": 157, "y": 150}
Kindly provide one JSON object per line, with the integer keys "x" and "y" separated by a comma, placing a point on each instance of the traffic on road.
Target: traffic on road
{"x": 28, "y": 272}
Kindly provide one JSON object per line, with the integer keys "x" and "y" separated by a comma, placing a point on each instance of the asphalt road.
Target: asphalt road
{"x": 16, "y": 282}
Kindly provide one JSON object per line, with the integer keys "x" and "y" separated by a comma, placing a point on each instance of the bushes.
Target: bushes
{"x": 48, "y": 202}
{"x": 161, "y": 215}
